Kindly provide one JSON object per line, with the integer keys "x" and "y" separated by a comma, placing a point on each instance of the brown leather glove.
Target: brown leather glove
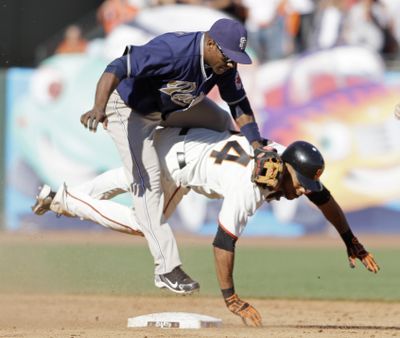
{"x": 244, "y": 310}
{"x": 268, "y": 167}
{"x": 356, "y": 250}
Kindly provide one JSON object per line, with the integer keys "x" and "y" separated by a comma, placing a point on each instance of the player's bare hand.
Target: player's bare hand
{"x": 92, "y": 118}
{"x": 250, "y": 316}
{"x": 355, "y": 250}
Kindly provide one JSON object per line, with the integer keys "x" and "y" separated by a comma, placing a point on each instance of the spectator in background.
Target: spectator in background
{"x": 234, "y": 8}
{"x": 266, "y": 28}
{"x": 73, "y": 41}
{"x": 302, "y": 29}
{"x": 328, "y": 24}
{"x": 112, "y": 13}
{"x": 366, "y": 24}
{"x": 393, "y": 10}
{"x": 163, "y": 2}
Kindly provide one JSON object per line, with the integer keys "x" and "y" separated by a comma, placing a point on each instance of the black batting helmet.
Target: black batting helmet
{"x": 307, "y": 162}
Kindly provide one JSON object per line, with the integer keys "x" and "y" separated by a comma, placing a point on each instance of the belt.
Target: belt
{"x": 180, "y": 155}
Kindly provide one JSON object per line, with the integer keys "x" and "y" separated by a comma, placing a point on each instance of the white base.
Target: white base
{"x": 175, "y": 320}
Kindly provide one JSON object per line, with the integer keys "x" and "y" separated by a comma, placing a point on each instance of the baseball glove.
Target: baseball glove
{"x": 244, "y": 310}
{"x": 268, "y": 167}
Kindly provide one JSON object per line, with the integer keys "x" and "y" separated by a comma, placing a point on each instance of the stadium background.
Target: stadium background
{"x": 290, "y": 262}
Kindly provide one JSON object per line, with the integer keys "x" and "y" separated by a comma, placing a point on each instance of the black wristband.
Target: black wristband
{"x": 226, "y": 293}
{"x": 347, "y": 237}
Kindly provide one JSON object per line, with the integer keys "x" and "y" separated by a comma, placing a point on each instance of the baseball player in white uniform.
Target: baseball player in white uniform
{"x": 217, "y": 165}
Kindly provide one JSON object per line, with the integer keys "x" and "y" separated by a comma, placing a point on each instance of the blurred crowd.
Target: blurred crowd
{"x": 279, "y": 28}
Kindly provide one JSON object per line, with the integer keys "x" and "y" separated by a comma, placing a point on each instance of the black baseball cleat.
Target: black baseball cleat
{"x": 43, "y": 200}
{"x": 177, "y": 281}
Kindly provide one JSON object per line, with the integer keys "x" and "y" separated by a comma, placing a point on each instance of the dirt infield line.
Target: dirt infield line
{"x": 95, "y": 316}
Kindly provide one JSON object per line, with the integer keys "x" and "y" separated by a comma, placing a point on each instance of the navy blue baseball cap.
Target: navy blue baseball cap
{"x": 231, "y": 37}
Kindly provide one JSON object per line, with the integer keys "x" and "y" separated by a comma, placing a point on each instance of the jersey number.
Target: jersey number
{"x": 241, "y": 156}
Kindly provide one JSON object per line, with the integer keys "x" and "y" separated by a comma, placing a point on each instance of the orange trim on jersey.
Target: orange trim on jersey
{"x": 172, "y": 197}
{"x": 228, "y": 232}
{"x": 132, "y": 231}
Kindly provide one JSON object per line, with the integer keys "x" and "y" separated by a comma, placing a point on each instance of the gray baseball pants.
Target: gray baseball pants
{"x": 133, "y": 135}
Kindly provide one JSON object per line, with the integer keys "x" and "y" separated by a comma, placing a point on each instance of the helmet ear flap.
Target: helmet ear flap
{"x": 268, "y": 169}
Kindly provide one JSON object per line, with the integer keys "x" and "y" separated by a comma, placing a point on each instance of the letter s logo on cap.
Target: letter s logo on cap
{"x": 242, "y": 43}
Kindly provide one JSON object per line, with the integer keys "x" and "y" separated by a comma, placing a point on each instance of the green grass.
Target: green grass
{"x": 259, "y": 272}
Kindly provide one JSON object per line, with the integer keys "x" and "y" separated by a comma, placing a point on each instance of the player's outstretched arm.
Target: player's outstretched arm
{"x": 224, "y": 254}
{"x": 355, "y": 250}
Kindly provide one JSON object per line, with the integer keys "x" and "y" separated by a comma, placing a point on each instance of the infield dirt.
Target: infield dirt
{"x": 60, "y": 315}
{"x": 45, "y": 316}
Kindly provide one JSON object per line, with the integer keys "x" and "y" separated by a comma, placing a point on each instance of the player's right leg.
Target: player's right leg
{"x": 134, "y": 142}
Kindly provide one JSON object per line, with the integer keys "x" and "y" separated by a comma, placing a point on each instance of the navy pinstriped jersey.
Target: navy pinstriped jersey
{"x": 168, "y": 74}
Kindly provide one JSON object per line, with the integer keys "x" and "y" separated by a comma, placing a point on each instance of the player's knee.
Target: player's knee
{"x": 224, "y": 241}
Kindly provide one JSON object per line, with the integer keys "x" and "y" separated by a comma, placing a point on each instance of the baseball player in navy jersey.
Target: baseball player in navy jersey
{"x": 217, "y": 165}
{"x": 167, "y": 80}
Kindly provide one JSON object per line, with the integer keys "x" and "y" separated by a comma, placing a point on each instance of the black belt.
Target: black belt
{"x": 180, "y": 155}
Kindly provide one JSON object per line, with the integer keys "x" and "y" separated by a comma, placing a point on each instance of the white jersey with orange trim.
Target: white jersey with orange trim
{"x": 217, "y": 165}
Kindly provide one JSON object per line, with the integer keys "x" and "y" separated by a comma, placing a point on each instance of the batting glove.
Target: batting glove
{"x": 355, "y": 250}
{"x": 244, "y": 310}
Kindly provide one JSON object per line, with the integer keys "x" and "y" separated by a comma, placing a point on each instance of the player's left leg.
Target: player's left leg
{"x": 104, "y": 186}
{"x": 107, "y": 185}
{"x": 148, "y": 199}
{"x": 147, "y": 193}
{"x": 75, "y": 203}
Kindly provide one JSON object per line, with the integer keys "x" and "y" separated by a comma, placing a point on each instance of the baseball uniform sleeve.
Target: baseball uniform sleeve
{"x": 238, "y": 206}
{"x": 150, "y": 60}
{"x": 230, "y": 87}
